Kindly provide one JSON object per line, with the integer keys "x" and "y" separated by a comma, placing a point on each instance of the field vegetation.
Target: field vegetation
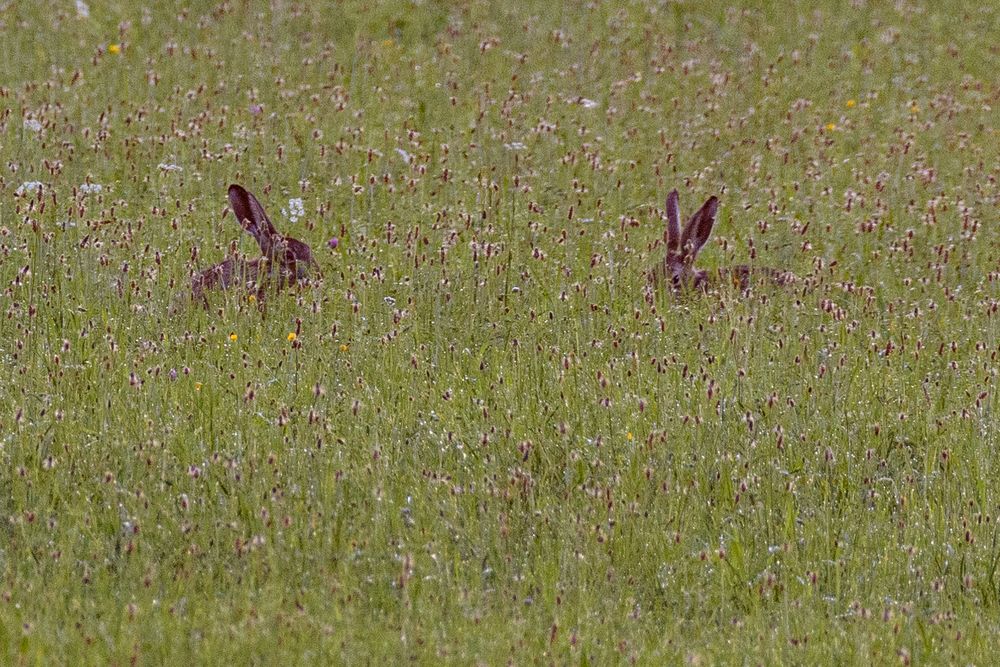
{"x": 481, "y": 436}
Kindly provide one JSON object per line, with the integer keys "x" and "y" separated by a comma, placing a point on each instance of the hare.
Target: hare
{"x": 677, "y": 266}
{"x": 282, "y": 258}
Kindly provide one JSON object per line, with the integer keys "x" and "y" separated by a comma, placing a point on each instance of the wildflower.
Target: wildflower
{"x": 514, "y": 146}
{"x": 256, "y": 109}
{"x": 252, "y": 298}
{"x": 830, "y": 127}
{"x": 914, "y": 108}
{"x": 169, "y": 166}
{"x": 850, "y": 104}
{"x": 91, "y": 188}
{"x": 588, "y": 104}
{"x": 28, "y": 186}
{"x": 628, "y": 436}
{"x": 82, "y": 10}
{"x": 333, "y": 243}
{"x": 233, "y": 337}
{"x": 295, "y": 210}
{"x": 114, "y": 49}
{"x": 197, "y": 386}
{"x": 292, "y": 336}
{"x": 33, "y": 125}
{"x": 388, "y": 43}
{"x": 403, "y": 154}
{"x": 343, "y": 347}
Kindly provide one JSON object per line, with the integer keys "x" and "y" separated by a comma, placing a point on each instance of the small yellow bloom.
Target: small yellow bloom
{"x": 343, "y": 347}
{"x": 830, "y": 127}
{"x": 197, "y": 386}
{"x": 850, "y": 104}
{"x": 114, "y": 49}
{"x": 388, "y": 42}
{"x": 628, "y": 436}
{"x": 292, "y": 335}
{"x": 252, "y": 298}
{"x": 914, "y": 108}
{"x": 233, "y": 337}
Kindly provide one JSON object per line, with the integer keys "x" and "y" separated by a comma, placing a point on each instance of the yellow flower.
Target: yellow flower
{"x": 233, "y": 337}
{"x": 388, "y": 42}
{"x": 252, "y": 298}
{"x": 114, "y": 49}
{"x": 292, "y": 335}
{"x": 914, "y": 108}
{"x": 850, "y": 104}
{"x": 343, "y": 347}
{"x": 197, "y": 386}
{"x": 830, "y": 127}
{"x": 628, "y": 436}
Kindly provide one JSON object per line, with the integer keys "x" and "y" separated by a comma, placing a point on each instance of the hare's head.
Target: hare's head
{"x": 677, "y": 268}
{"x": 290, "y": 257}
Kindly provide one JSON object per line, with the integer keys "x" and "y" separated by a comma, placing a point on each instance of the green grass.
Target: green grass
{"x": 488, "y": 440}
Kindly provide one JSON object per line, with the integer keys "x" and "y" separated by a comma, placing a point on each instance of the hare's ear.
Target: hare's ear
{"x": 251, "y": 214}
{"x": 673, "y": 234}
{"x": 699, "y": 228}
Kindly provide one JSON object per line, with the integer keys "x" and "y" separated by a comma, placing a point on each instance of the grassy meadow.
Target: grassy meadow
{"x": 481, "y": 437}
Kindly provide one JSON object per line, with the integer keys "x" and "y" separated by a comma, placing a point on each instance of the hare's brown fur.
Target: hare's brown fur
{"x": 677, "y": 267}
{"x": 283, "y": 260}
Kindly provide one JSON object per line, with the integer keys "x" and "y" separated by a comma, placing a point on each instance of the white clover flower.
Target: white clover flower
{"x": 82, "y": 10}
{"x": 169, "y": 166}
{"x": 515, "y": 146}
{"x": 32, "y": 124}
{"x": 295, "y": 210}
{"x": 27, "y": 187}
{"x": 587, "y": 104}
{"x": 91, "y": 188}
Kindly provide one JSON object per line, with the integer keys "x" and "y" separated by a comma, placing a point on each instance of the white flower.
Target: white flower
{"x": 587, "y": 104}
{"x": 294, "y": 211}
{"x": 403, "y": 154}
{"x": 33, "y": 125}
{"x": 515, "y": 146}
{"x": 169, "y": 166}
{"x": 90, "y": 188}
{"x": 82, "y": 10}
{"x": 29, "y": 186}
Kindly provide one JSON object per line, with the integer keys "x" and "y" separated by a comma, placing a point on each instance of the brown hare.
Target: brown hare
{"x": 283, "y": 260}
{"x": 677, "y": 267}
